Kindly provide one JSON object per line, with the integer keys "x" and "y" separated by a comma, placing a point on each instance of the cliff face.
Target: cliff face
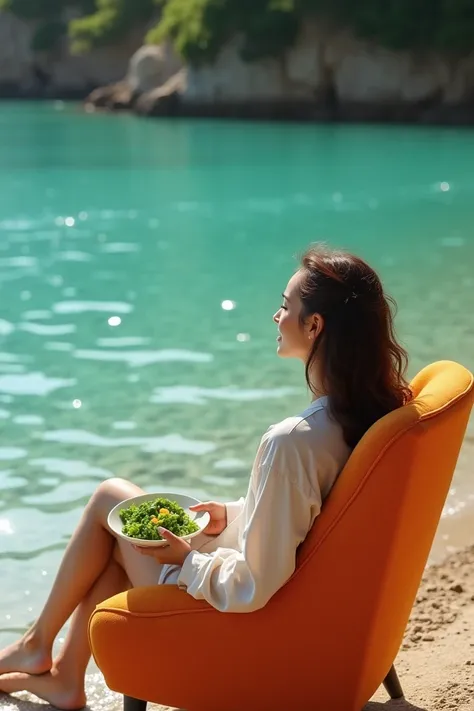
{"x": 25, "y": 73}
{"x": 327, "y": 74}
{"x": 334, "y": 67}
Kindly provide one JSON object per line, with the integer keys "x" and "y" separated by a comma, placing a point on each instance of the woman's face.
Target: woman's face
{"x": 295, "y": 340}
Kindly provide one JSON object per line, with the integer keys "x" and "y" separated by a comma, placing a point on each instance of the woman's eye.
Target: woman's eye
{"x": 283, "y": 307}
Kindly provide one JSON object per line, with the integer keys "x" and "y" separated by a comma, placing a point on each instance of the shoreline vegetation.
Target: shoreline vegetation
{"x": 302, "y": 60}
{"x": 199, "y": 29}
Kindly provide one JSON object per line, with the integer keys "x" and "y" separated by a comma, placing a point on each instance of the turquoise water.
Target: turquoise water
{"x": 121, "y": 238}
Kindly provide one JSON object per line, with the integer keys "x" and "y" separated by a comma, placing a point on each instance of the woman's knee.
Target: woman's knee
{"x": 112, "y": 491}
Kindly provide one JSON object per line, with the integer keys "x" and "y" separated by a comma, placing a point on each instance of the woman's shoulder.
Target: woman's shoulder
{"x": 308, "y": 448}
{"x": 311, "y": 427}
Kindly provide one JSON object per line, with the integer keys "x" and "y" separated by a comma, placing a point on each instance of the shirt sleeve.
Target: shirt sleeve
{"x": 277, "y": 515}
{"x": 234, "y": 509}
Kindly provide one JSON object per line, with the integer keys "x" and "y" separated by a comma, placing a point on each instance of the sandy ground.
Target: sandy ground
{"x": 435, "y": 663}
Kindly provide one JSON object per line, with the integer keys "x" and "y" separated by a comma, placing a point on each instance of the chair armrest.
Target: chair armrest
{"x": 153, "y": 601}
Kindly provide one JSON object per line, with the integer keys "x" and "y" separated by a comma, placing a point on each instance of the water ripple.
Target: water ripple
{"x": 70, "y": 467}
{"x": 122, "y": 342}
{"x": 173, "y": 443}
{"x": 34, "y": 315}
{"x": 18, "y": 262}
{"x": 10, "y": 481}
{"x": 58, "y": 346}
{"x": 124, "y": 425}
{"x": 229, "y": 464}
{"x": 12, "y": 368}
{"x": 12, "y": 453}
{"x": 76, "y": 307}
{"x": 5, "y": 527}
{"x": 32, "y": 384}
{"x": 141, "y": 358}
{"x": 41, "y": 329}
{"x": 119, "y": 247}
{"x": 10, "y": 358}
{"x": 74, "y": 256}
{"x": 17, "y": 224}
{"x": 28, "y": 420}
{"x": 72, "y": 490}
{"x": 190, "y": 395}
{"x": 6, "y": 327}
{"x": 29, "y": 555}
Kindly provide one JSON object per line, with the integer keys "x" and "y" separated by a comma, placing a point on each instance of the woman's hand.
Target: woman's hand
{"x": 218, "y": 514}
{"x": 174, "y": 553}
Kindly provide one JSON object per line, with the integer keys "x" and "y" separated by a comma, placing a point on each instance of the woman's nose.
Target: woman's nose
{"x": 276, "y": 317}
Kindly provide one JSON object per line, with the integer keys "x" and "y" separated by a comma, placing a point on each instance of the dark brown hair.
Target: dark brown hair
{"x": 363, "y": 364}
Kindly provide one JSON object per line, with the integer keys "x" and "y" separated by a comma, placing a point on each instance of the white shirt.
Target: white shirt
{"x": 296, "y": 465}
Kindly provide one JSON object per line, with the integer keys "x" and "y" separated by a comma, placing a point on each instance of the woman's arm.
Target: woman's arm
{"x": 276, "y": 515}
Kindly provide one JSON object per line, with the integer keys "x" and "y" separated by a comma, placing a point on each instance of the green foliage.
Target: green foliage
{"x": 33, "y": 9}
{"x": 199, "y": 28}
{"x": 457, "y": 29}
{"x": 268, "y": 32}
{"x": 398, "y": 24}
{"x": 402, "y": 24}
{"x": 111, "y": 21}
{"x": 48, "y": 35}
{"x": 44, "y": 9}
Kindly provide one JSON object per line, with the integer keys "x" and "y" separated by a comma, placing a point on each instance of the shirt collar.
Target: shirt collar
{"x": 317, "y": 404}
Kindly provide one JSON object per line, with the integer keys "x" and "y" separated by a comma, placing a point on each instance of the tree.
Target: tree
{"x": 109, "y": 23}
{"x": 200, "y": 28}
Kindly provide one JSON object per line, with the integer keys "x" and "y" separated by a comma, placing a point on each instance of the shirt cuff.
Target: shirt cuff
{"x": 191, "y": 566}
{"x": 234, "y": 509}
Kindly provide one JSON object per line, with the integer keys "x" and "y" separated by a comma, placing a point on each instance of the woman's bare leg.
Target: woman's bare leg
{"x": 63, "y": 685}
{"x": 87, "y": 556}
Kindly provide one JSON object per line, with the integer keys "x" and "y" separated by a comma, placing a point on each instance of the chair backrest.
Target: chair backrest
{"x": 360, "y": 567}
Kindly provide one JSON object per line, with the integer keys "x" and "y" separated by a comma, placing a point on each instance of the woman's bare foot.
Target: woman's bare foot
{"x": 27, "y": 655}
{"x": 50, "y": 686}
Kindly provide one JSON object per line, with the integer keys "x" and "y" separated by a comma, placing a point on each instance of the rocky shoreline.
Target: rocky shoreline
{"x": 323, "y": 78}
{"x": 328, "y": 75}
{"x": 118, "y": 99}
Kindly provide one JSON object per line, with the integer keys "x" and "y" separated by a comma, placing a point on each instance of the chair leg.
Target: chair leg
{"x": 392, "y": 684}
{"x": 131, "y": 704}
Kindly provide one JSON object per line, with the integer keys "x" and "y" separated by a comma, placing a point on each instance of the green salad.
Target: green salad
{"x": 142, "y": 521}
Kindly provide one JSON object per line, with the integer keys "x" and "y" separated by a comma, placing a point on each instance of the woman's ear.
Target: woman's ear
{"x": 316, "y": 325}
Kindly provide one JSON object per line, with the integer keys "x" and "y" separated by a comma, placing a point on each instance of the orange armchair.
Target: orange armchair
{"x": 329, "y": 637}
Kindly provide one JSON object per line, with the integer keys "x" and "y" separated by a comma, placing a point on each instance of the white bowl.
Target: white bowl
{"x": 202, "y": 518}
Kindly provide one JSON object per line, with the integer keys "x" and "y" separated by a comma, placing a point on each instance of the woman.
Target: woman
{"x": 336, "y": 318}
